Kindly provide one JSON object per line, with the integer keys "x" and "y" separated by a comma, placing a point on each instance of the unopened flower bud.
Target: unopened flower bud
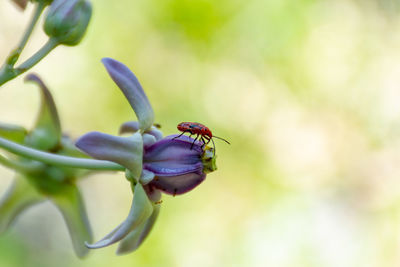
{"x": 67, "y": 20}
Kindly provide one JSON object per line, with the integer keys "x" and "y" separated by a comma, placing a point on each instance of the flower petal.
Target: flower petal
{"x": 146, "y": 177}
{"x": 47, "y": 132}
{"x": 153, "y": 193}
{"x": 126, "y": 151}
{"x": 178, "y": 185}
{"x": 69, "y": 202}
{"x": 172, "y": 157}
{"x": 133, "y": 91}
{"x": 13, "y": 132}
{"x": 135, "y": 238}
{"x": 148, "y": 140}
{"x": 133, "y": 126}
{"x": 19, "y": 196}
{"x": 140, "y": 211}
{"x": 129, "y": 127}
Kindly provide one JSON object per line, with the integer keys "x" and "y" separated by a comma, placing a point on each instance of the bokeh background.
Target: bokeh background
{"x": 307, "y": 92}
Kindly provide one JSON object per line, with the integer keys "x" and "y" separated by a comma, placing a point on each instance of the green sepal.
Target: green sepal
{"x": 70, "y": 203}
{"x": 13, "y": 132}
{"x": 19, "y": 196}
{"x": 46, "y": 134}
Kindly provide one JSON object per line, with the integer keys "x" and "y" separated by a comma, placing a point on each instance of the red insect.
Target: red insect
{"x": 200, "y": 130}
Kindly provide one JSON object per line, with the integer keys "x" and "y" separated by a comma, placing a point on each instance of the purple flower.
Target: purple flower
{"x": 153, "y": 164}
{"x": 177, "y": 168}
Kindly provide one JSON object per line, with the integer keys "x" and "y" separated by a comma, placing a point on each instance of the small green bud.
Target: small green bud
{"x": 67, "y": 20}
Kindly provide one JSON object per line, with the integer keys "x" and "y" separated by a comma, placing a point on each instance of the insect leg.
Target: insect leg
{"x": 180, "y": 135}
{"x": 208, "y": 139}
{"x": 204, "y": 142}
{"x": 197, "y": 136}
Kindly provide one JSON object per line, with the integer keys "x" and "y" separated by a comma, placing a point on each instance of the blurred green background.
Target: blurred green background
{"x": 307, "y": 92}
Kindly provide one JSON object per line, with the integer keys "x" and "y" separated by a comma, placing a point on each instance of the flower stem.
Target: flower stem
{"x": 33, "y": 60}
{"x": 20, "y": 166}
{"x": 58, "y": 160}
{"x": 7, "y": 71}
{"x": 28, "y": 32}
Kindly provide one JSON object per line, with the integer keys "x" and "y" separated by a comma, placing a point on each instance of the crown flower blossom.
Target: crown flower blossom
{"x": 154, "y": 164}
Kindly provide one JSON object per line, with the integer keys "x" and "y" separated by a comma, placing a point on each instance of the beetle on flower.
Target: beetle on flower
{"x": 153, "y": 164}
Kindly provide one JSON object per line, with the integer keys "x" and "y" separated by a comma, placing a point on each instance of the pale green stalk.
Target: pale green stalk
{"x": 7, "y": 71}
{"x": 58, "y": 160}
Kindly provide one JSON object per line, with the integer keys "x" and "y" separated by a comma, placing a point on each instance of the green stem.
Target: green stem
{"x": 21, "y": 166}
{"x": 17, "y": 52}
{"x": 8, "y": 72}
{"x": 33, "y": 60}
{"x": 58, "y": 160}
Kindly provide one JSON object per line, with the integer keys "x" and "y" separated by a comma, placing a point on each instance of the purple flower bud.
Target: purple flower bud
{"x": 178, "y": 167}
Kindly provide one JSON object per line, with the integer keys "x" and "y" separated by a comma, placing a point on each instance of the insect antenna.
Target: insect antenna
{"x": 221, "y": 139}
{"x": 213, "y": 146}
